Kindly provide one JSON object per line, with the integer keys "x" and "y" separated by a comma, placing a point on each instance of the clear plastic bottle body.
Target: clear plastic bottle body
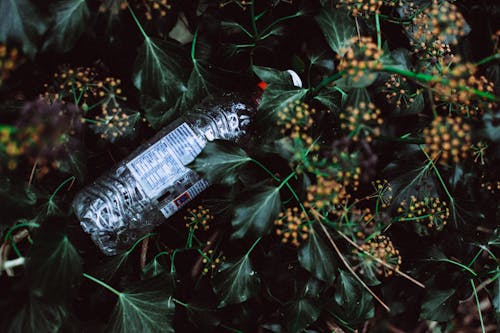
{"x": 153, "y": 182}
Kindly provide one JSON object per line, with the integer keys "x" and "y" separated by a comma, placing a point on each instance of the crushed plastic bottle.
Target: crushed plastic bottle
{"x": 153, "y": 182}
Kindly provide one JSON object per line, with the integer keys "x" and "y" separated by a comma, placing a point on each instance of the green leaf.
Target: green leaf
{"x": 351, "y": 303}
{"x": 280, "y": 90}
{"x": 38, "y": 316}
{"x": 21, "y": 22}
{"x": 255, "y": 215}
{"x": 160, "y": 69}
{"x": 495, "y": 298}
{"x": 148, "y": 308}
{"x": 271, "y": 75}
{"x": 338, "y": 28}
{"x": 220, "y": 161}
{"x": 277, "y": 96}
{"x": 158, "y": 113}
{"x": 304, "y": 310}
{"x": 236, "y": 282}
{"x": 331, "y": 97}
{"x": 71, "y": 18}
{"x": 316, "y": 257}
{"x": 439, "y": 305}
{"x": 54, "y": 267}
{"x": 153, "y": 269}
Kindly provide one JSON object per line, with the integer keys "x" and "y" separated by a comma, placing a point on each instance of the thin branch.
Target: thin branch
{"x": 332, "y": 242}
{"x": 406, "y": 276}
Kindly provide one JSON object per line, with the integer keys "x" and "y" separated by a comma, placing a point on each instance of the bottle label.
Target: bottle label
{"x": 161, "y": 165}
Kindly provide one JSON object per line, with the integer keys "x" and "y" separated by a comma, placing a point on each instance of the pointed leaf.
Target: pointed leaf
{"x": 331, "y": 97}
{"x": 70, "y": 21}
{"x": 317, "y": 257}
{"x": 219, "y": 162}
{"x": 38, "y": 316}
{"x": 255, "y": 215}
{"x": 306, "y": 309}
{"x": 277, "y": 96}
{"x": 21, "y": 22}
{"x": 338, "y": 28}
{"x": 439, "y": 305}
{"x": 236, "y": 282}
{"x": 270, "y": 75}
{"x": 351, "y": 303}
{"x": 54, "y": 267}
{"x": 160, "y": 69}
{"x": 149, "y": 308}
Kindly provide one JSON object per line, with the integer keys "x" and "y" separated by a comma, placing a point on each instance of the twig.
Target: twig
{"x": 32, "y": 174}
{"x": 9, "y": 264}
{"x": 144, "y": 253}
{"x": 332, "y": 242}
{"x": 406, "y": 276}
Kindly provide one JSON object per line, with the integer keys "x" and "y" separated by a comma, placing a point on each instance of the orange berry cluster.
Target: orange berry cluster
{"x": 295, "y": 120}
{"x": 152, "y": 7}
{"x": 448, "y": 140}
{"x": 9, "y": 59}
{"x": 346, "y": 170}
{"x": 365, "y": 7}
{"x": 325, "y": 194}
{"x": 362, "y": 121}
{"x": 382, "y": 248}
{"x": 211, "y": 261}
{"x": 113, "y": 6}
{"x": 440, "y": 21}
{"x": 10, "y": 146}
{"x": 398, "y": 92}
{"x": 292, "y": 226}
{"x": 456, "y": 87}
{"x": 430, "y": 212}
{"x": 296, "y": 117}
{"x": 69, "y": 84}
{"x": 198, "y": 217}
{"x": 361, "y": 58}
{"x": 383, "y": 192}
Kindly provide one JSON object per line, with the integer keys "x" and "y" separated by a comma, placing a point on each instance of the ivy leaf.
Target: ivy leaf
{"x": 255, "y": 215}
{"x": 306, "y": 309}
{"x": 495, "y": 298}
{"x": 338, "y": 28}
{"x": 54, "y": 267}
{"x": 157, "y": 113}
{"x": 159, "y": 69}
{"x": 439, "y": 305}
{"x": 71, "y": 17}
{"x": 147, "y": 308}
{"x": 21, "y": 22}
{"x": 219, "y": 162}
{"x": 351, "y": 302}
{"x": 38, "y": 316}
{"x": 316, "y": 257}
{"x": 273, "y": 76}
{"x": 332, "y": 98}
{"x": 236, "y": 282}
{"x": 280, "y": 90}
{"x": 198, "y": 85}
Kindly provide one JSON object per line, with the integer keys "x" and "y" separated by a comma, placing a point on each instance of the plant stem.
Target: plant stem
{"x": 379, "y": 34}
{"x": 60, "y": 186}
{"x": 253, "y": 246}
{"x": 327, "y": 81}
{"x": 141, "y": 29}
{"x": 102, "y": 284}
{"x": 431, "y": 78}
{"x": 478, "y": 305}
{"x": 488, "y": 59}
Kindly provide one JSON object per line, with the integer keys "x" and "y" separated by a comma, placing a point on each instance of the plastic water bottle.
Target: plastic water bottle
{"x": 153, "y": 183}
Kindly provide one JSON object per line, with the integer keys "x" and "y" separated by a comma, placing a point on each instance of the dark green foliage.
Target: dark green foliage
{"x": 323, "y": 216}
